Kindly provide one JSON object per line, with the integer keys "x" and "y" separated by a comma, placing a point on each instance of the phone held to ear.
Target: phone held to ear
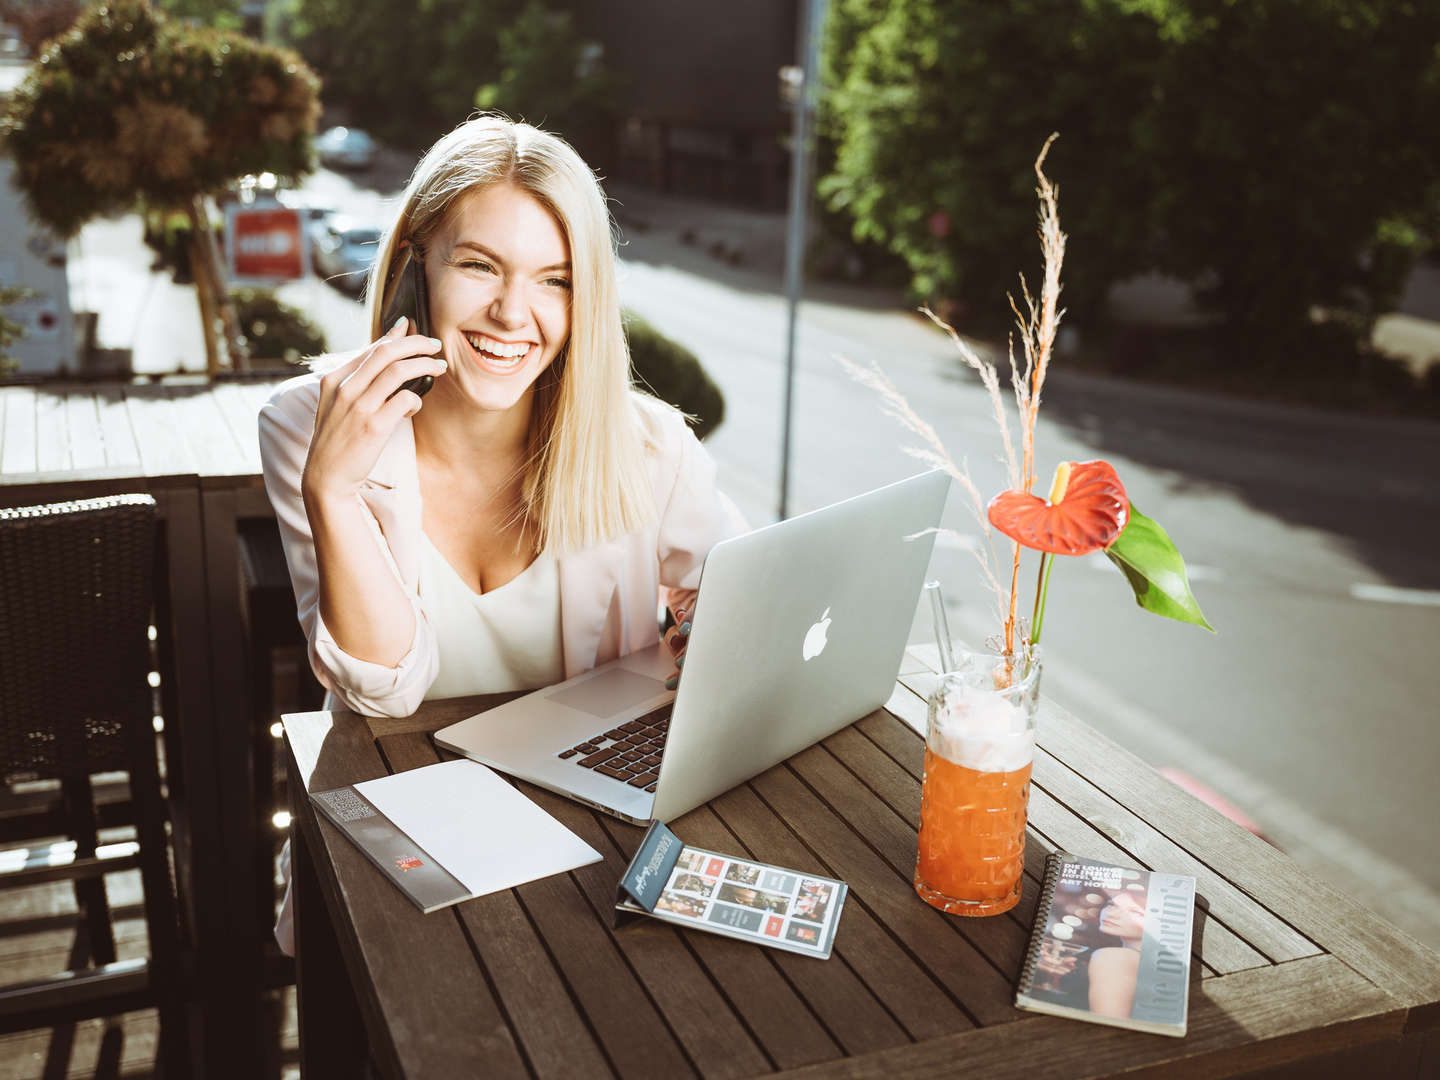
{"x": 413, "y": 290}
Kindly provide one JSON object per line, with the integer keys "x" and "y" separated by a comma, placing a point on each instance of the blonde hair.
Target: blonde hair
{"x": 586, "y": 480}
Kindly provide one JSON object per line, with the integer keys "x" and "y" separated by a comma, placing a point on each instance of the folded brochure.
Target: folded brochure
{"x": 452, "y": 831}
{"x": 740, "y": 898}
{"x": 1111, "y": 945}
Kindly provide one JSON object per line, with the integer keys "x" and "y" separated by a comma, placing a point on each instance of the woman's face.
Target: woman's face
{"x": 1124, "y": 916}
{"x": 498, "y": 270}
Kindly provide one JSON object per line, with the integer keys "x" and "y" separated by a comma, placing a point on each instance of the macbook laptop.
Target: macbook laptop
{"x": 798, "y": 630}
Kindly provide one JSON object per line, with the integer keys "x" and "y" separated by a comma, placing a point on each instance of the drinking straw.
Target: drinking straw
{"x": 942, "y": 626}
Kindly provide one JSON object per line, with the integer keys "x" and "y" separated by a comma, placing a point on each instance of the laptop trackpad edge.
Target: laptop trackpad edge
{"x": 608, "y": 692}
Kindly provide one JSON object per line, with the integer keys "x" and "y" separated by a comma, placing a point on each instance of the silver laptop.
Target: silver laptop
{"x": 798, "y": 630}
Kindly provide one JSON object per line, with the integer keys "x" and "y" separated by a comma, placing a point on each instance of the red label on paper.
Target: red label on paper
{"x": 265, "y": 243}
{"x": 772, "y": 925}
{"x": 714, "y": 866}
{"x": 409, "y": 862}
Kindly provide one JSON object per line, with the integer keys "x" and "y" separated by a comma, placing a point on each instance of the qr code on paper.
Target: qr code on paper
{"x": 347, "y": 805}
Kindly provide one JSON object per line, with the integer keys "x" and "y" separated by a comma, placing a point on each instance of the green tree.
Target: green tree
{"x": 1277, "y": 154}
{"x": 1306, "y": 172}
{"x": 936, "y": 109}
{"x": 522, "y": 57}
{"x": 408, "y": 75}
{"x": 552, "y": 77}
{"x": 10, "y": 330}
{"x": 129, "y": 110}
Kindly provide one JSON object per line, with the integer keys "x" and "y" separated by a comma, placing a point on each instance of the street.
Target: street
{"x": 1309, "y": 535}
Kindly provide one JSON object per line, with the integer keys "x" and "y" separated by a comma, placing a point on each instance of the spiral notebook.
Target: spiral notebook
{"x": 1110, "y": 944}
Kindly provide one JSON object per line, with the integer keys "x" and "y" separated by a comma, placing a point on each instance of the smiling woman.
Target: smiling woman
{"x": 520, "y": 523}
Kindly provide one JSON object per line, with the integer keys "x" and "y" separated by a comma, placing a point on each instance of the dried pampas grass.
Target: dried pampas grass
{"x": 1037, "y": 327}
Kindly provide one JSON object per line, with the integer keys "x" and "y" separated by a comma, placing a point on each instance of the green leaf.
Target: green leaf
{"x": 1155, "y": 570}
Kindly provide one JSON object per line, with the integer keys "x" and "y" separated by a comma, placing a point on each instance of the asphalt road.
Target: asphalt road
{"x": 1310, "y": 535}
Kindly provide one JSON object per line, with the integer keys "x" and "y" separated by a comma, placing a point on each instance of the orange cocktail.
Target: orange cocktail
{"x": 972, "y": 837}
{"x": 979, "y": 745}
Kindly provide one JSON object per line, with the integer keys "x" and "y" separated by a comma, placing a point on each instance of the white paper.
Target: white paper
{"x": 475, "y": 825}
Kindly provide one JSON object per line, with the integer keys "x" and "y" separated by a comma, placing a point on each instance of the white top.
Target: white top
{"x": 504, "y": 639}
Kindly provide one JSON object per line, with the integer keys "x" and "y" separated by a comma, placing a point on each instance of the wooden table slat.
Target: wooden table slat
{"x": 880, "y": 986}
{"x": 783, "y": 1020}
{"x": 957, "y": 965}
{"x": 906, "y": 986}
{"x": 122, "y": 449}
{"x": 212, "y": 446}
{"x": 434, "y": 973}
{"x": 1239, "y": 1023}
{"x": 163, "y": 450}
{"x": 87, "y": 440}
{"x": 1110, "y": 831}
{"x": 52, "y": 431}
{"x": 18, "y": 451}
{"x": 896, "y": 837}
{"x": 1369, "y": 944}
{"x": 1252, "y": 922}
{"x": 1214, "y": 943}
{"x": 240, "y": 406}
{"x": 556, "y": 1039}
{"x": 715, "y": 1041}
{"x": 907, "y": 750}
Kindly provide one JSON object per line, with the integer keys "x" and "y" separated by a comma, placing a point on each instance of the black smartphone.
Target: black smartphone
{"x": 413, "y": 299}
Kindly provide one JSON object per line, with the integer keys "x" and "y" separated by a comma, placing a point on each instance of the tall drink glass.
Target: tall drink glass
{"x": 979, "y": 745}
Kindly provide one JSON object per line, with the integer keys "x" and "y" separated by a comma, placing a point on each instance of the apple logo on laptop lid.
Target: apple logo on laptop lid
{"x": 815, "y": 640}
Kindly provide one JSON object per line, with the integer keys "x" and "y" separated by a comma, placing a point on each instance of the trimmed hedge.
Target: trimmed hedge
{"x": 275, "y": 330}
{"x": 673, "y": 373}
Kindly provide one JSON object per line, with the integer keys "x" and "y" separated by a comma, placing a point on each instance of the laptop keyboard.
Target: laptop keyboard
{"x": 630, "y": 752}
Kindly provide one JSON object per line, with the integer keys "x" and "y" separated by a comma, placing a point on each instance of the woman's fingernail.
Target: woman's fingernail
{"x": 685, "y": 628}
{"x": 400, "y": 322}
{"x": 672, "y": 682}
{"x": 680, "y": 660}
{"x": 435, "y": 342}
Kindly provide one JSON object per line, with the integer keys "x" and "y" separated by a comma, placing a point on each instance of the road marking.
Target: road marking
{"x": 1321, "y": 848}
{"x": 949, "y": 540}
{"x": 1098, "y": 560}
{"x": 1388, "y": 594}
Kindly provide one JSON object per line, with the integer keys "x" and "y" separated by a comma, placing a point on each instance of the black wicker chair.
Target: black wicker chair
{"x": 75, "y": 607}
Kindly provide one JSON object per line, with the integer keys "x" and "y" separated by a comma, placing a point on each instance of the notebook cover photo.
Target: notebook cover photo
{"x": 1111, "y": 945}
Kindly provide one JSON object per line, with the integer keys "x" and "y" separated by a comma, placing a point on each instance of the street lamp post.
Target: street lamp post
{"x": 798, "y": 216}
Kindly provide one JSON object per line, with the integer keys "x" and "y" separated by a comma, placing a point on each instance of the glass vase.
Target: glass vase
{"x": 979, "y": 745}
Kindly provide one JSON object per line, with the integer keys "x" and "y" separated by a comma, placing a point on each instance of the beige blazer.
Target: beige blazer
{"x": 609, "y": 594}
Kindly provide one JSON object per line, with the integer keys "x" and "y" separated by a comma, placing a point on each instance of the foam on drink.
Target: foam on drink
{"x": 981, "y": 730}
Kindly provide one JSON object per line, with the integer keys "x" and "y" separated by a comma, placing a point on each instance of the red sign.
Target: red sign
{"x": 265, "y": 243}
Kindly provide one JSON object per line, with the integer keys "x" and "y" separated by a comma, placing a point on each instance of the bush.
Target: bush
{"x": 275, "y": 330}
{"x": 673, "y": 373}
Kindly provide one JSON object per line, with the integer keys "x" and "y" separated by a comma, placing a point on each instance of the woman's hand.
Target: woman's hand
{"x": 678, "y": 639}
{"x": 359, "y": 409}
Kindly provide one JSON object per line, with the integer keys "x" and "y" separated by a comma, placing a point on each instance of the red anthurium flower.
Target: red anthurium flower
{"x": 1088, "y": 509}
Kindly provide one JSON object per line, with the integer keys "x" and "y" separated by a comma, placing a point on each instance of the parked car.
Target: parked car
{"x": 344, "y": 250}
{"x": 346, "y": 148}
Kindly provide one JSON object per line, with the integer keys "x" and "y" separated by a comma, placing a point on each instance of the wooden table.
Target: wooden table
{"x": 193, "y": 446}
{"x": 1290, "y": 978}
